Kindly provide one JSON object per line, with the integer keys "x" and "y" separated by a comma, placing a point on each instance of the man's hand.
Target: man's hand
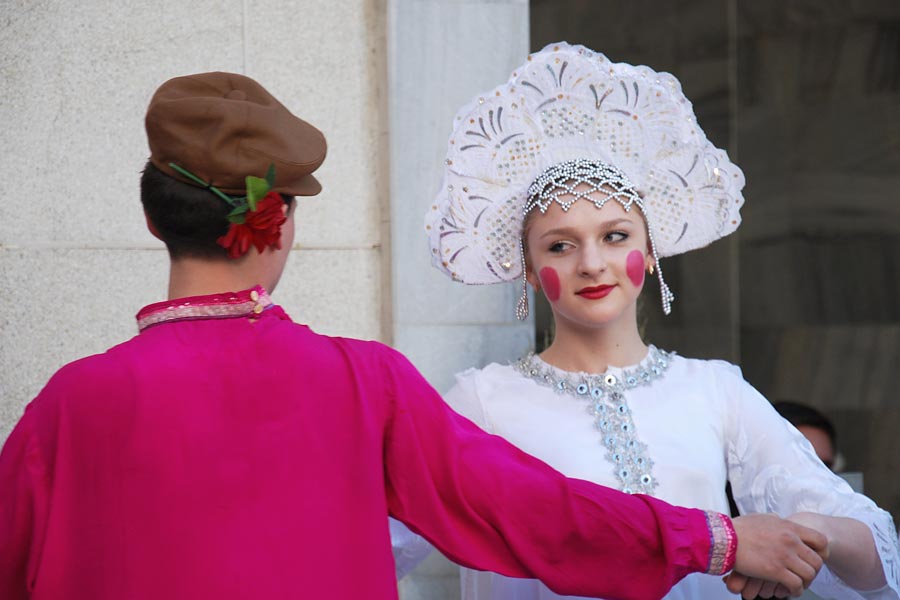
{"x": 775, "y": 556}
{"x": 751, "y": 587}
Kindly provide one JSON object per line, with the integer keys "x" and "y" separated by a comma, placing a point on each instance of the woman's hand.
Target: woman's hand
{"x": 848, "y": 550}
{"x": 775, "y": 556}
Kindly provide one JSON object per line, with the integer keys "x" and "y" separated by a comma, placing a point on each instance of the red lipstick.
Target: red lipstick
{"x": 596, "y": 292}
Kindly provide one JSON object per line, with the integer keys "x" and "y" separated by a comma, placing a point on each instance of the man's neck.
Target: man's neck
{"x": 201, "y": 277}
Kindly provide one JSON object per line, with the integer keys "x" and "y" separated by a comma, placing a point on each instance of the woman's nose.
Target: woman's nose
{"x": 592, "y": 261}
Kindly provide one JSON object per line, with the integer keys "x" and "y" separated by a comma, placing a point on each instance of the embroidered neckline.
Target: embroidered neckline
{"x": 608, "y": 404}
{"x": 230, "y": 305}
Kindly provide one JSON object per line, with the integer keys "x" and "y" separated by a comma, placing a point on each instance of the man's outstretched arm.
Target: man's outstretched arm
{"x": 490, "y": 506}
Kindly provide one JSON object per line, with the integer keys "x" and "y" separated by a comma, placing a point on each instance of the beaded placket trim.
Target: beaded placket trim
{"x": 606, "y": 394}
{"x": 221, "y": 306}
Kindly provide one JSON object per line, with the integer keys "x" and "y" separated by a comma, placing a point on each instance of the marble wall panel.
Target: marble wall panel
{"x": 441, "y": 54}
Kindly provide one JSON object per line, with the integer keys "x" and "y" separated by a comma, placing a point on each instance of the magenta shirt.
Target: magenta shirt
{"x": 249, "y": 457}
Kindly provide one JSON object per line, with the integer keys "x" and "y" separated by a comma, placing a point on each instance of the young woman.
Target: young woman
{"x": 576, "y": 176}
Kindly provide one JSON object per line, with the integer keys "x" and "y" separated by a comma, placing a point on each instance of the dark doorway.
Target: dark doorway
{"x": 805, "y": 96}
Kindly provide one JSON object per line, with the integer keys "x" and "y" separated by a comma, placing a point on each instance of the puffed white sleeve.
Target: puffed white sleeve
{"x": 465, "y": 399}
{"x": 773, "y": 468}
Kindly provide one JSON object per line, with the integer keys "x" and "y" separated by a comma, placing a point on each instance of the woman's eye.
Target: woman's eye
{"x": 616, "y": 236}
{"x": 558, "y": 247}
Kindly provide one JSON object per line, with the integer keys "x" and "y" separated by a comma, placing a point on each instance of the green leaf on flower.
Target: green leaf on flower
{"x": 256, "y": 190}
{"x": 270, "y": 176}
{"x": 239, "y": 213}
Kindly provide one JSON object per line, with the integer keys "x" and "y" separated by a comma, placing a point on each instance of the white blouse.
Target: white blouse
{"x": 702, "y": 425}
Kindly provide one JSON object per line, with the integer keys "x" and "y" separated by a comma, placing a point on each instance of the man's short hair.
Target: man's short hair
{"x": 189, "y": 219}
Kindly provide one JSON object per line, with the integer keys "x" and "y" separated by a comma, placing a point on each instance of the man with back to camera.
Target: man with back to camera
{"x": 227, "y": 452}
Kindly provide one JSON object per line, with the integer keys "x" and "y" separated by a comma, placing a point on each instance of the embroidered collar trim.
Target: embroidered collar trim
{"x": 231, "y": 305}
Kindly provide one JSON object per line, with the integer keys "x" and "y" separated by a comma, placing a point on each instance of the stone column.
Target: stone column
{"x": 441, "y": 54}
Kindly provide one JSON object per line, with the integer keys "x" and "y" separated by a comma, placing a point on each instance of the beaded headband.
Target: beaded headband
{"x": 563, "y": 180}
{"x": 510, "y": 146}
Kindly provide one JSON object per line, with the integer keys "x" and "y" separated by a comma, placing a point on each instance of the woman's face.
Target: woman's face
{"x": 589, "y": 262}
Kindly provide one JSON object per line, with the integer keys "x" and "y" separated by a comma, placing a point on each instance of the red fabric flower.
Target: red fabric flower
{"x": 261, "y": 227}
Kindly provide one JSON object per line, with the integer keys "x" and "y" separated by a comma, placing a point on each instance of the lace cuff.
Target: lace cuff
{"x": 723, "y": 543}
{"x": 827, "y": 584}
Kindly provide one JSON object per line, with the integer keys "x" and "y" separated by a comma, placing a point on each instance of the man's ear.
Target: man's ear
{"x": 152, "y": 228}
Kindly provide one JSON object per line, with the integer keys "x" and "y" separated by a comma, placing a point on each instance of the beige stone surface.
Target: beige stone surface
{"x": 320, "y": 58}
{"x": 335, "y": 292}
{"x": 65, "y": 303}
{"x": 72, "y": 105}
{"x": 72, "y": 237}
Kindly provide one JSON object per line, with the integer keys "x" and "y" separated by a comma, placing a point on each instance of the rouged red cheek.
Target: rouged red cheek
{"x": 634, "y": 267}
{"x": 550, "y": 283}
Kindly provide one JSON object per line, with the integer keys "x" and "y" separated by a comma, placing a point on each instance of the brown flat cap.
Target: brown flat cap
{"x": 222, "y": 127}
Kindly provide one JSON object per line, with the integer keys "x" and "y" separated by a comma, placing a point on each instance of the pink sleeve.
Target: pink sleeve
{"x": 19, "y": 505}
{"x": 487, "y": 505}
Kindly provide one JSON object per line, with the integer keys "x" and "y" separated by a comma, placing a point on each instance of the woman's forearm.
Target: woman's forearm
{"x": 852, "y": 553}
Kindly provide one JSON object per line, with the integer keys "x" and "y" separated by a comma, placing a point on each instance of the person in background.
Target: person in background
{"x": 815, "y": 427}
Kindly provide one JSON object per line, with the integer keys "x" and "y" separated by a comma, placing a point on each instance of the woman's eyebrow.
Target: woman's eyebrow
{"x": 559, "y": 231}
{"x": 572, "y": 231}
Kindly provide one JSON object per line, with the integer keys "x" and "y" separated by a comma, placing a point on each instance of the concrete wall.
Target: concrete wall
{"x": 76, "y": 262}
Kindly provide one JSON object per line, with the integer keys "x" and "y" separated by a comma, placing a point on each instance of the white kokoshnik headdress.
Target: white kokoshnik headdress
{"x": 569, "y": 118}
